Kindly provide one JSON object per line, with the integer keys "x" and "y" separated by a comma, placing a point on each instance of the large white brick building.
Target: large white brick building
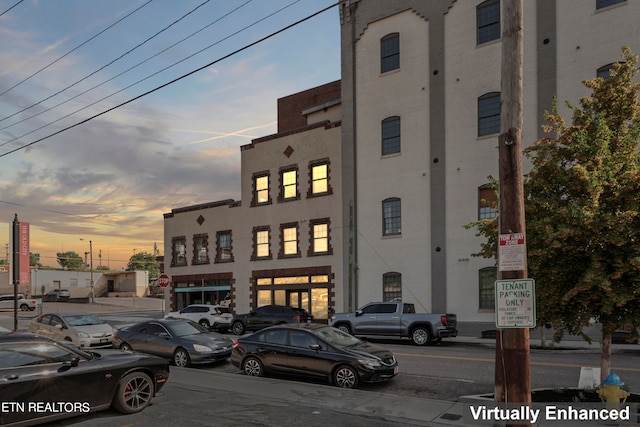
{"x": 421, "y": 117}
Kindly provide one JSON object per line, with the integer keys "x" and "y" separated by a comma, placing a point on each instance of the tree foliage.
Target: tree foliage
{"x": 70, "y": 261}
{"x": 583, "y": 209}
{"x": 144, "y": 261}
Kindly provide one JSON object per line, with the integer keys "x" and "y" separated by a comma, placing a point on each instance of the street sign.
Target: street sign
{"x": 163, "y": 281}
{"x": 511, "y": 252}
{"x": 515, "y": 303}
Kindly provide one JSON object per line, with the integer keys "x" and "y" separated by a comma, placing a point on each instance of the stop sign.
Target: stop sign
{"x": 163, "y": 281}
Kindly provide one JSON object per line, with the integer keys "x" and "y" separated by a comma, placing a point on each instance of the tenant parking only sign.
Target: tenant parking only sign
{"x": 515, "y": 303}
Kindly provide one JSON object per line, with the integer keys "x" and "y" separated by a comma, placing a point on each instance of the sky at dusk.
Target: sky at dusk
{"x": 111, "y": 179}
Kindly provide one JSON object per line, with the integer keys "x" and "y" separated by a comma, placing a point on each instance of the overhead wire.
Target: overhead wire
{"x": 161, "y": 86}
{"x": 75, "y": 48}
{"x": 108, "y": 63}
{"x": 123, "y": 72}
{"x": 11, "y": 7}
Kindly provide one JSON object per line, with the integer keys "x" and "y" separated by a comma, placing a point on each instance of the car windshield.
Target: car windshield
{"x": 336, "y": 337}
{"x": 82, "y": 320}
{"x": 183, "y": 329}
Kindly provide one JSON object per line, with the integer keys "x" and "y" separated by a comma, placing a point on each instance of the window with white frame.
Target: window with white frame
{"x": 261, "y": 236}
{"x": 260, "y": 189}
{"x": 487, "y": 203}
{"x": 200, "y": 249}
{"x": 319, "y": 179}
{"x": 289, "y": 184}
{"x": 224, "y": 252}
{"x": 391, "y": 217}
{"x": 178, "y": 251}
{"x": 392, "y": 286}
{"x": 289, "y": 240}
{"x": 320, "y": 244}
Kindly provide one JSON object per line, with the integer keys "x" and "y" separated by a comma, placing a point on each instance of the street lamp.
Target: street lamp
{"x": 90, "y": 267}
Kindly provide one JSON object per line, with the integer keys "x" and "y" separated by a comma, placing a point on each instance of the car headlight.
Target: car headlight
{"x": 372, "y": 363}
{"x": 201, "y": 348}
{"x": 82, "y": 335}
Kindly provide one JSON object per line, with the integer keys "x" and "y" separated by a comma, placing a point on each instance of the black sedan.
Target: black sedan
{"x": 182, "y": 341}
{"x": 42, "y": 380}
{"x": 314, "y": 350}
{"x": 268, "y": 315}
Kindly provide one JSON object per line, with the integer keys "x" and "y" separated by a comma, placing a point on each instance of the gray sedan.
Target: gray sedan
{"x": 182, "y": 341}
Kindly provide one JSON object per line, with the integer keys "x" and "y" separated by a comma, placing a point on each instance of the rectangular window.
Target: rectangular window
{"x": 178, "y": 251}
{"x": 390, "y": 53}
{"x": 224, "y": 246}
{"x": 488, "y": 21}
{"x": 391, "y": 135}
{"x": 320, "y": 238}
{"x": 489, "y": 114}
{"x": 200, "y": 249}
{"x": 289, "y": 190}
{"x": 262, "y": 243}
{"x": 319, "y": 179}
{"x": 391, "y": 217}
{"x": 606, "y": 3}
{"x": 261, "y": 196}
{"x": 487, "y": 279}
{"x": 289, "y": 238}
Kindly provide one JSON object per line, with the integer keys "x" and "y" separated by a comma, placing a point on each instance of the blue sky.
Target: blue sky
{"x": 110, "y": 179}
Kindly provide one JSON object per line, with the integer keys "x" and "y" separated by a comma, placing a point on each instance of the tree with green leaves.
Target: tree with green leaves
{"x": 583, "y": 210}
{"x": 70, "y": 260}
{"x": 142, "y": 261}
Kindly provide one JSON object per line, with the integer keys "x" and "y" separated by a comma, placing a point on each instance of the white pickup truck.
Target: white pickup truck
{"x": 24, "y": 304}
{"x": 397, "y": 320}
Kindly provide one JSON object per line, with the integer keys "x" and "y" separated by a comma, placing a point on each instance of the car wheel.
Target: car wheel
{"x": 237, "y": 328}
{"x": 253, "y": 367}
{"x": 125, "y": 346}
{"x": 24, "y": 307}
{"x": 420, "y": 336}
{"x": 134, "y": 393}
{"x": 181, "y": 358}
{"x": 346, "y": 377}
{"x": 204, "y": 323}
{"x": 344, "y": 328}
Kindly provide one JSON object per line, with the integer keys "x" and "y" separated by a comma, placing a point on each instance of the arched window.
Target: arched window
{"x": 390, "y": 52}
{"x": 489, "y": 114}
{"x": 391, "y": 217}
{"x": 488, "y": 21}
{"x": 392, "y": 286}
{"x": 391, "y": 135}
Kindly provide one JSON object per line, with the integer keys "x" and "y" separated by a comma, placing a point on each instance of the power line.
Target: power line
{"x": 11, "y": 7}
{"x": 107, "y": 64}
{"x": 75, "y": 48}
{"x": 117, "y": 75}
{"x": 165, "y": 84}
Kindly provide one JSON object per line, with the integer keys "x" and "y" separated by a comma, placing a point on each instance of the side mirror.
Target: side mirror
{"x": 163, "y": 335}
{"x": 315, "y": 347}
{"x": 358, "y": 313}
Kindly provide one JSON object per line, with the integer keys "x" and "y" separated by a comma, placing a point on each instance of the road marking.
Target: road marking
{"x": 481, "y": 359}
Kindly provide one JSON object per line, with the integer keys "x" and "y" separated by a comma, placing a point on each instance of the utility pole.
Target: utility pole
{"x": 512, "y": 370}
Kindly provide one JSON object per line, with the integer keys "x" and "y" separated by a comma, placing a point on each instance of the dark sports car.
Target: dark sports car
{"x": 42, "y": 380}
{"x": 313, "y": 351}
{"x": 268, "y": 315}
{"x": 182, "y": 341}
